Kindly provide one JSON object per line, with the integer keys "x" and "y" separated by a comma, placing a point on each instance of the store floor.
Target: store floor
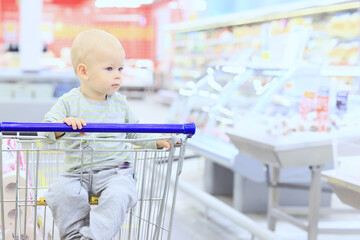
{"x": 193, "y": 221}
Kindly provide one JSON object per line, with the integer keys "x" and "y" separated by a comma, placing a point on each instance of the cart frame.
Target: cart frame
{"x": 153, "y": 169}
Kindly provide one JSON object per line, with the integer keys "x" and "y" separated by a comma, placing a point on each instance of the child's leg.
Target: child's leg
{"x": 118, "y": 196}
{"x": 69, "y": 204}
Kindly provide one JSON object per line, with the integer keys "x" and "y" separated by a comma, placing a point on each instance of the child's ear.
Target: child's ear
{"x": 82, "y": 71}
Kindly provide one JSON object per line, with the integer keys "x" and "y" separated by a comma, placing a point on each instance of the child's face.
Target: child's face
{"x": 104, "y": 71}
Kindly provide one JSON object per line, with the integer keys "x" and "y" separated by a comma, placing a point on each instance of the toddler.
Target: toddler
{"x": 98, "y": 60}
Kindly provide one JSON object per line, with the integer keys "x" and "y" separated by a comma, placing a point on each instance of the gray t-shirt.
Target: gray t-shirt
{"x": 115, "y": 109}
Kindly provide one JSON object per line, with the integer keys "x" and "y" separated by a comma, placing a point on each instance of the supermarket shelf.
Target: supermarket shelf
{"x": 267, "y": 14}
{"x": 25, "y": 110}
{"x": 45, "y": 75}
{"x": 353, "y": 71}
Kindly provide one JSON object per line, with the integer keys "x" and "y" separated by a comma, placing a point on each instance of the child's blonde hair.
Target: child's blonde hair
{"x": 87, "y": 41}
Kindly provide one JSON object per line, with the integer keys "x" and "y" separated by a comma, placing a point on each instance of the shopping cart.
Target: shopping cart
{"x": 30, "y": 165}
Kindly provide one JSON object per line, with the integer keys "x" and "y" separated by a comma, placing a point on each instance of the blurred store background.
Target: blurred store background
{"x": 272, "y": 85}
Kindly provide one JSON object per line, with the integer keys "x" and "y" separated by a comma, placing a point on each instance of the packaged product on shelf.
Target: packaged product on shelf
{"x": 306, "y": 104}
{"x": 345, "y": 25}
{"x": 322, "y": 109}
{"x": 341, "y": 102}
{"x": 344, "y": 54}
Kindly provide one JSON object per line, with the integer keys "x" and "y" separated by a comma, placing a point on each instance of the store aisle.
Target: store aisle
{"x": 193, "y": 221}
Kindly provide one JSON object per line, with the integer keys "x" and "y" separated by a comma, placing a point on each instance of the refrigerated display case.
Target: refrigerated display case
{"x": 294, "y": 126}
{"x": 300, "y": 87}
{"x": 306, "y": 43}
{"x": 250, "y": 35}
{"x": 197, "y": 101}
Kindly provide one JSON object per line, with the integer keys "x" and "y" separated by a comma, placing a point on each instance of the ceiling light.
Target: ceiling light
{"x": 121, "y": 3}
{"x": 173, "y": 5}
{"x": 199, "y": 5}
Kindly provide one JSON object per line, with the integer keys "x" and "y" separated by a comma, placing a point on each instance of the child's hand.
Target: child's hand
{"x": 76, "y": 123}
{"x": 163, "y": 144}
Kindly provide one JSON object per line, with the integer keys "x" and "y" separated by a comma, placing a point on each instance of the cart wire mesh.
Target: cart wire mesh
{"x": 30, "y": 165}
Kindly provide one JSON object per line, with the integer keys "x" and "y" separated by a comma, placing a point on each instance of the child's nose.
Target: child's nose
{"x": 117, "y": 75}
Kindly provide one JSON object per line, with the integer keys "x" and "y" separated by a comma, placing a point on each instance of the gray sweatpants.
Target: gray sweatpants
{"x": 68, "y": 199}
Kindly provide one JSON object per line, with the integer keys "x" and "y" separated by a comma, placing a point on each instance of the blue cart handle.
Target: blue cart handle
{"x": 187, "y": 128}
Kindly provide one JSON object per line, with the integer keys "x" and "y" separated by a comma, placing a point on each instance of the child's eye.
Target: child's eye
{"x": 120, "y": 69}
{"x": 109, "y": 69}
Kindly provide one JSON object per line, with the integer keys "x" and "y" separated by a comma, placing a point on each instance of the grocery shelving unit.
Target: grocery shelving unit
{"x": 315, "y": 44}
{"x": 243, "y": 36}
{"x": 27, "y": 96}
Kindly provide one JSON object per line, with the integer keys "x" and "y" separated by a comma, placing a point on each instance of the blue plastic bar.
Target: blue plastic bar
{"x": 187, "y": 128}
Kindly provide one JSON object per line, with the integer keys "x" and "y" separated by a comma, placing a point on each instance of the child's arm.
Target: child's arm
{"x": 76, "y": 123}
{"x": 131, "y": 118}
{"x": 163, "y": 144}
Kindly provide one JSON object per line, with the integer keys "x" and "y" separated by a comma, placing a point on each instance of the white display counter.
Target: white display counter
{"x": 228, "y": 171}
{"x": 312, "y": 149}
{"x": 347, "y": 188}
{"x": 300, "y": 149}
{"x": 344, "y": 179}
